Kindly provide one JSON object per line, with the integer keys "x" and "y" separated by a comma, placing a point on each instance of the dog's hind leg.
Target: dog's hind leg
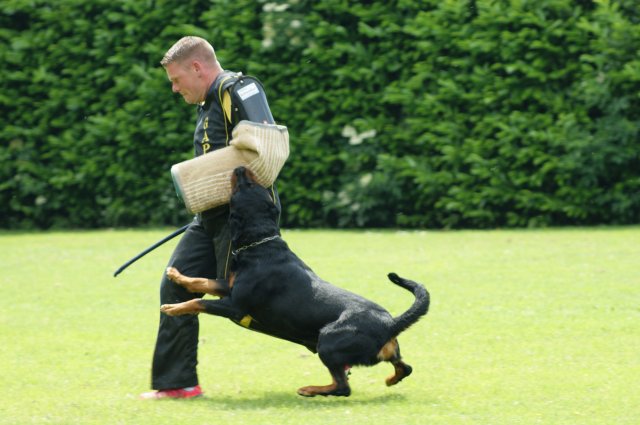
{"x": 391, "y": 353}
{"x": 402, "y": 370}
{"x": 339, "y": 386}
{"x": 330, "y": 350}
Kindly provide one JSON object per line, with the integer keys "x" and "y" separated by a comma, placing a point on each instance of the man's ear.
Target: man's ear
{"x": 197, "y": 67}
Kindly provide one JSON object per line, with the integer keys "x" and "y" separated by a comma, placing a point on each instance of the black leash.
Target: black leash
{"x": 151, "y": 248}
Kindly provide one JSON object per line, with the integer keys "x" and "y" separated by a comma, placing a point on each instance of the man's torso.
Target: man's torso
{"x": 213, "y": 130}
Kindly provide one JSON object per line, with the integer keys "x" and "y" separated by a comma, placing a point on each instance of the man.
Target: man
{"x": 223, "y": 99}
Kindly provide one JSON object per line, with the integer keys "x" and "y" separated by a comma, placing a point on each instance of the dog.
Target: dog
{"x": 272, "y": 291}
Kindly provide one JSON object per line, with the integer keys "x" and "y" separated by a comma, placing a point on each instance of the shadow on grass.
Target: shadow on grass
{"x": 292, "y": 400}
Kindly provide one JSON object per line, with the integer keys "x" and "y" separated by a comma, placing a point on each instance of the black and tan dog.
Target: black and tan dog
{"x": 271, "y": 290}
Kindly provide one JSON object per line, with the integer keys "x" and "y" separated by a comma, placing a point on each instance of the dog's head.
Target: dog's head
{"x": 253, "y": 214}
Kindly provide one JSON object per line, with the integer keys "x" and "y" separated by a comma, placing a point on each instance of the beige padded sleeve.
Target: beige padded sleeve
{"x": 204, "y": 182}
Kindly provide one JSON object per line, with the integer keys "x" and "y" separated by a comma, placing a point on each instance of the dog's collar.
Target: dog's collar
{"x": 251, "y": 245}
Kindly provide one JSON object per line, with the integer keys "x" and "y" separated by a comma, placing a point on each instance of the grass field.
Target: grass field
{"x": 525, "y": 327}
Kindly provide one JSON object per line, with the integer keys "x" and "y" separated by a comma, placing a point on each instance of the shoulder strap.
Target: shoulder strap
{"x": 224, "y": 98}
{"x": 226, "y": 105}
{"x": 223, "y": 93}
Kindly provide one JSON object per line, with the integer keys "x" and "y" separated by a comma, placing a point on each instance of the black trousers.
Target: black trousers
{"x": 203, "y": 251}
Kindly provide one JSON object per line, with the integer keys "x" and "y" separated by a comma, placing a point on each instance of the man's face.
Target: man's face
{"x": 186, "y": 80}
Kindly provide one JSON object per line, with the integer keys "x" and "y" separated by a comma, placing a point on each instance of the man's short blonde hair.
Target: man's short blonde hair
{"x": 189, "y": 47}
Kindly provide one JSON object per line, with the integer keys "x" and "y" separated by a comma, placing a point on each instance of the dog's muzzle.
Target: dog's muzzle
{"x": 242, "y": 177}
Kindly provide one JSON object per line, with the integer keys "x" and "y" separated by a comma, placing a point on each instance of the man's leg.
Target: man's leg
{"x": 176, "y": 352}
{"x": 217, "y": 226}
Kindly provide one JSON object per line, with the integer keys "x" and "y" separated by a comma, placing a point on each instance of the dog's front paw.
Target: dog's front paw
{"x": 173, "y": 274}
{"x": 179, "y": 309}
{"x": 193, "y": 306}
{"x": 170, "y": 309}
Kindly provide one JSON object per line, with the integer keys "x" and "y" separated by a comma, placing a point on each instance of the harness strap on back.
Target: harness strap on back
{"x": 225, "y": 101}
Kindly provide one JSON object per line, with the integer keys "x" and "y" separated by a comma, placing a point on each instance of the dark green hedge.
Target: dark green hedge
{"x": 401, "y": 113}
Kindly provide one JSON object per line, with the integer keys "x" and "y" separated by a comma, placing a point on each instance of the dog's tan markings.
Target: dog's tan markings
{"x": 389, "y": 350}
{"x": 401, "y": 372}
{"x": 234, "y": 179}
{"x": 188, "y": 307}
{"x": 313, "y": 390}
{"x": 191, "y": 284}
{"x": 199, "y": 285}
{"x": 234, "y": 182}
{"x": 249, "y": 174}
{"x": 389, "y": 353}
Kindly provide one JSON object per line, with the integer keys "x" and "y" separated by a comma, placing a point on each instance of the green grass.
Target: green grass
{"x": 525, "y": 327}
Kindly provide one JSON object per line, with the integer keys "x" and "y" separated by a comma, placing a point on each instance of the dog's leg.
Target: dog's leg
{"x": 402, "y": 370}
{"x": 199, "y": 285}
{"x": 339, "y": 386}
{"x": 222, "y": 307}
{"x": 391, "y": 353}
{"x": 188, "y": 307}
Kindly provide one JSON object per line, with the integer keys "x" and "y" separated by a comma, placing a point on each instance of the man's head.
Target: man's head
{"x": 191, "y": 66}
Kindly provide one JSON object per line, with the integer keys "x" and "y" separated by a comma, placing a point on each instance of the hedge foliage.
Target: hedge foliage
{"x": 431, "y": 113}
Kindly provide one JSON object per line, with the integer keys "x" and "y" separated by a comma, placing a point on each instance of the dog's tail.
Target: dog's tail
{"x": 416, "y": 311}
